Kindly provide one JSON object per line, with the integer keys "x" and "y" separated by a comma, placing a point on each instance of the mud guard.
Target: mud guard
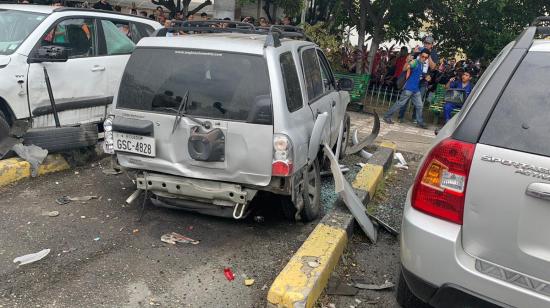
{"x": 353, "y": 203}
{"x": 316, "y": 136}
{"x": 369, "y": 139}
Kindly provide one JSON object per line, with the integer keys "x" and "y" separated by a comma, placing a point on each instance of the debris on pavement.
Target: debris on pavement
{"x": 66, "y": 199}
{"x": 357, "y": 147}
{"x": 361, "y": 284}
{"x": 97, "y": 238}
{"x": 111, "y": 171}
{"x": 228, "y": 274}
{"x": 264, "y": 287}
{"x": 355, "y": 141}
{"x": 259, "y": 219}
{"x": 402, "y": 164}
{"x": 30, "y": 258}
{"x": 33, "y": 154}
{"x": 173, "y": 238}
{"x": 384, "y": 225}
{"x": 248, "y": 282}
{"x": 53, "y": 214}
{"x": 353, "y": 203}
{"x": 337, "y": 287}
{"x": 135, "y": 231}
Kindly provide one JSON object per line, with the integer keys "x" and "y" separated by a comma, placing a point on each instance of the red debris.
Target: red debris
{"x": 228, "y": 274}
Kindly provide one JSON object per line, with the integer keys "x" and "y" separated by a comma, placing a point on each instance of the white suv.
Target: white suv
{"x": 99, "y": 44}
{"x": 476, "y": 222}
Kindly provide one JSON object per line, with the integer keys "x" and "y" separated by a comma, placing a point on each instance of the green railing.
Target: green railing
{"x": 360, "y": 85}
{"x": 436, "y": 105}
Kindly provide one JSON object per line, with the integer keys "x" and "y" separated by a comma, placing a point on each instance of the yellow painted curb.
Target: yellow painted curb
{"x": 305, "y": 276}
{"x": 389, "y": 144}
{"x": 368, "y": 178}
{"x": 15, "y": 169}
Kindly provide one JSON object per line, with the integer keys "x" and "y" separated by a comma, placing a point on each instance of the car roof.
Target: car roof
{"x": 43, "y": 9}
{"x": 540, "y": 45}
{"x": 231, "y": 42}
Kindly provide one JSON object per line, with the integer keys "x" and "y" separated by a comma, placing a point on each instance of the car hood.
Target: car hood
{"x": 4, "y": 60}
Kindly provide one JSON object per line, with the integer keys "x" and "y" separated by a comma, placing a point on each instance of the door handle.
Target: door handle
{"x": 98, "y": 68}
{"x": 539, "y": 190}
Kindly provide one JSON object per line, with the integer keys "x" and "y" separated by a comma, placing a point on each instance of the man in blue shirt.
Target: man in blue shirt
{"x": 462, "y": 84}
{"x": 411, "y": 90}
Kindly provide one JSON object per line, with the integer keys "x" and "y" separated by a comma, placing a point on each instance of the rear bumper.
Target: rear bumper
{"x": 437, "y": 267}
{"x": 217, "y": 193}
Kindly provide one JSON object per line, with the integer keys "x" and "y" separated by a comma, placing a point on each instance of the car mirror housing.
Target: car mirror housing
{"x": 345, "y": 84}
{"x": 49, "y": 54}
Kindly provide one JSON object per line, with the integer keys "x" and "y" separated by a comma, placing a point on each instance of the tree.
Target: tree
{"x": 175, "y": 6}
{"x": 270, "y": 7}
{"x": 481, "y": 29}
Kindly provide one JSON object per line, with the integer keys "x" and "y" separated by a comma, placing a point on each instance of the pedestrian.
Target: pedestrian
{"x": 287, "y": 21}
{"x": 204, "y": 16}
{"x": 103, "y": 5}
{"x": 143, "y": 13}
{"x": 57, "y": 3}
{"x": 263, "y": 22}
{"x": 400, "y": 61}
{"x": 411, "y": 89}
{"x": 464, "y": 83}
{"x": 431, "y": 64}
{"x": 118, "y": 8}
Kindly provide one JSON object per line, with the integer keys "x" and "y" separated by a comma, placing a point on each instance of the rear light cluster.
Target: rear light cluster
{"x": 282, "y": 156}
{"x": 440, "y": 186}
{"x": 109, "y": 142}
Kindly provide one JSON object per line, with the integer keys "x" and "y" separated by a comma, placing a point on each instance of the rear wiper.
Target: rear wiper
{"x": 180, "y": 114}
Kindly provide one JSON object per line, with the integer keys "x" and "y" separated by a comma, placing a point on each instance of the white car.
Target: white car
{"x": 99, "y": 44}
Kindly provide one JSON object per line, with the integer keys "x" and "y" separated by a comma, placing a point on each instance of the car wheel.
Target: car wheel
{"x": 345, "y": 136}
{"x": 405, "y": 297}
{"x": 4, "y": 127}
{"x": 312, "y": 193}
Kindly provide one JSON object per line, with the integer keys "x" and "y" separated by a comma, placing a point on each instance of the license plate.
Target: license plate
{"x": 134, "y": 144}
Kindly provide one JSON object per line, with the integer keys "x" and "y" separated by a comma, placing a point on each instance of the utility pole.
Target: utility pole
{"x": 304, "y": 12}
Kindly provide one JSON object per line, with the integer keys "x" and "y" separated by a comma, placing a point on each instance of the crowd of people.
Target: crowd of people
{"x": 422, "y": 70}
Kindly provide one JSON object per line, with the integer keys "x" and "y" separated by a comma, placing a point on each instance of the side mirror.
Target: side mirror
{"x": 49, "y": 54}
{"x": 345, "y": 84}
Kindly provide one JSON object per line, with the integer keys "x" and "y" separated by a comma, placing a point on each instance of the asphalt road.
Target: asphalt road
{"x": 102, "y": 257}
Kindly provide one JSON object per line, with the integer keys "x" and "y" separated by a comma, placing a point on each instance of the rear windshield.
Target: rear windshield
{"x": 219, "y": 85}
{"x": 520, "y": 119}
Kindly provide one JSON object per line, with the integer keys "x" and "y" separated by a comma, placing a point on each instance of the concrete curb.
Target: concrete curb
{"x": 15, "y": 169}
{"x": 306, "y": 275}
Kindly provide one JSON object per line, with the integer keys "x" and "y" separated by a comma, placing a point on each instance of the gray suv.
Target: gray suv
{"x": 477, "y": 219}
{"x": 209, "y": 120}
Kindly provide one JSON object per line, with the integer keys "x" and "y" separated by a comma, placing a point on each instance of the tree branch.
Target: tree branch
{"x": 200, "y": 7}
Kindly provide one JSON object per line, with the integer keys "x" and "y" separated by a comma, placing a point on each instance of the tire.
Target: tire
{"x": 4, "y": 127}
{"x": 345, "y": 135}
{"x": 405, "y": 297}
{"x": 312, "y": 194}
{"x": 312, "y": 198}
{"x": 58, "y": 139}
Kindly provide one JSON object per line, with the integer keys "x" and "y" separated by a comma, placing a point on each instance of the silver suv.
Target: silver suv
{"x": 476, "y": 222}
{"x": 208, "y": 120}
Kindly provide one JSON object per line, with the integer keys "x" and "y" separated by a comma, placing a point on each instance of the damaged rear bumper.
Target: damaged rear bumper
{"x": 204, "y": 191}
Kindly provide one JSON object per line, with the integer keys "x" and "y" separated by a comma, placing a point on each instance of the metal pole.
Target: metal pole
{"x": 50, "y": 94}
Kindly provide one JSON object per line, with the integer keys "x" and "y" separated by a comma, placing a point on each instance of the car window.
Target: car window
{"x": 15, "y": 27}
{"x": 326, "y": 73}
{"x": 117, "y": 37}
{"x": 312, "y": 74}
{"x": 292, "y": 83}
{"x": 520, "y": 118}
{"x": 144, "y": 30}
{"x": 219, "y": 85}
{"x": 77, "y": 35}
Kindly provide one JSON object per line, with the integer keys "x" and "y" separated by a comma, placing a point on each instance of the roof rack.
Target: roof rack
{"x": 274, "y": 33}
{"x": 538, "y": 29}
{"x": 82, "y": 9}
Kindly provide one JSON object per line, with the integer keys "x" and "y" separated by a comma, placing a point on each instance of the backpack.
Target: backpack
{"x": 402, "y": 79}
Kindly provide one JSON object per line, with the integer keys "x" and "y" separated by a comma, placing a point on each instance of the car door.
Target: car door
{"x": 115, "y": 48}
{"x": 329, "y": 90}
{"x": 79, "y": 85}
{"x": 318, "y": 99}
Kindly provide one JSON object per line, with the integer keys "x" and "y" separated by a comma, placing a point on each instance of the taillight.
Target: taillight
{"x": 282, "y": 156}
{"x": 440, "y": 186}
{"x": 108, "y": 143}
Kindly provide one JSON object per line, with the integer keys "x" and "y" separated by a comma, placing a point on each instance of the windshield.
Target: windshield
{"x": 15, "y": 26}
{"x": 221, "y": 85}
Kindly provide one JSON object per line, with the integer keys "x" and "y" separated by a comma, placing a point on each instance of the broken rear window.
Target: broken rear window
{"x": 226, "y": 86}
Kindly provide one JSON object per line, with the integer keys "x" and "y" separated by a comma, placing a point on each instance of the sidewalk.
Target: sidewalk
{"x": 407, "y": 136}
